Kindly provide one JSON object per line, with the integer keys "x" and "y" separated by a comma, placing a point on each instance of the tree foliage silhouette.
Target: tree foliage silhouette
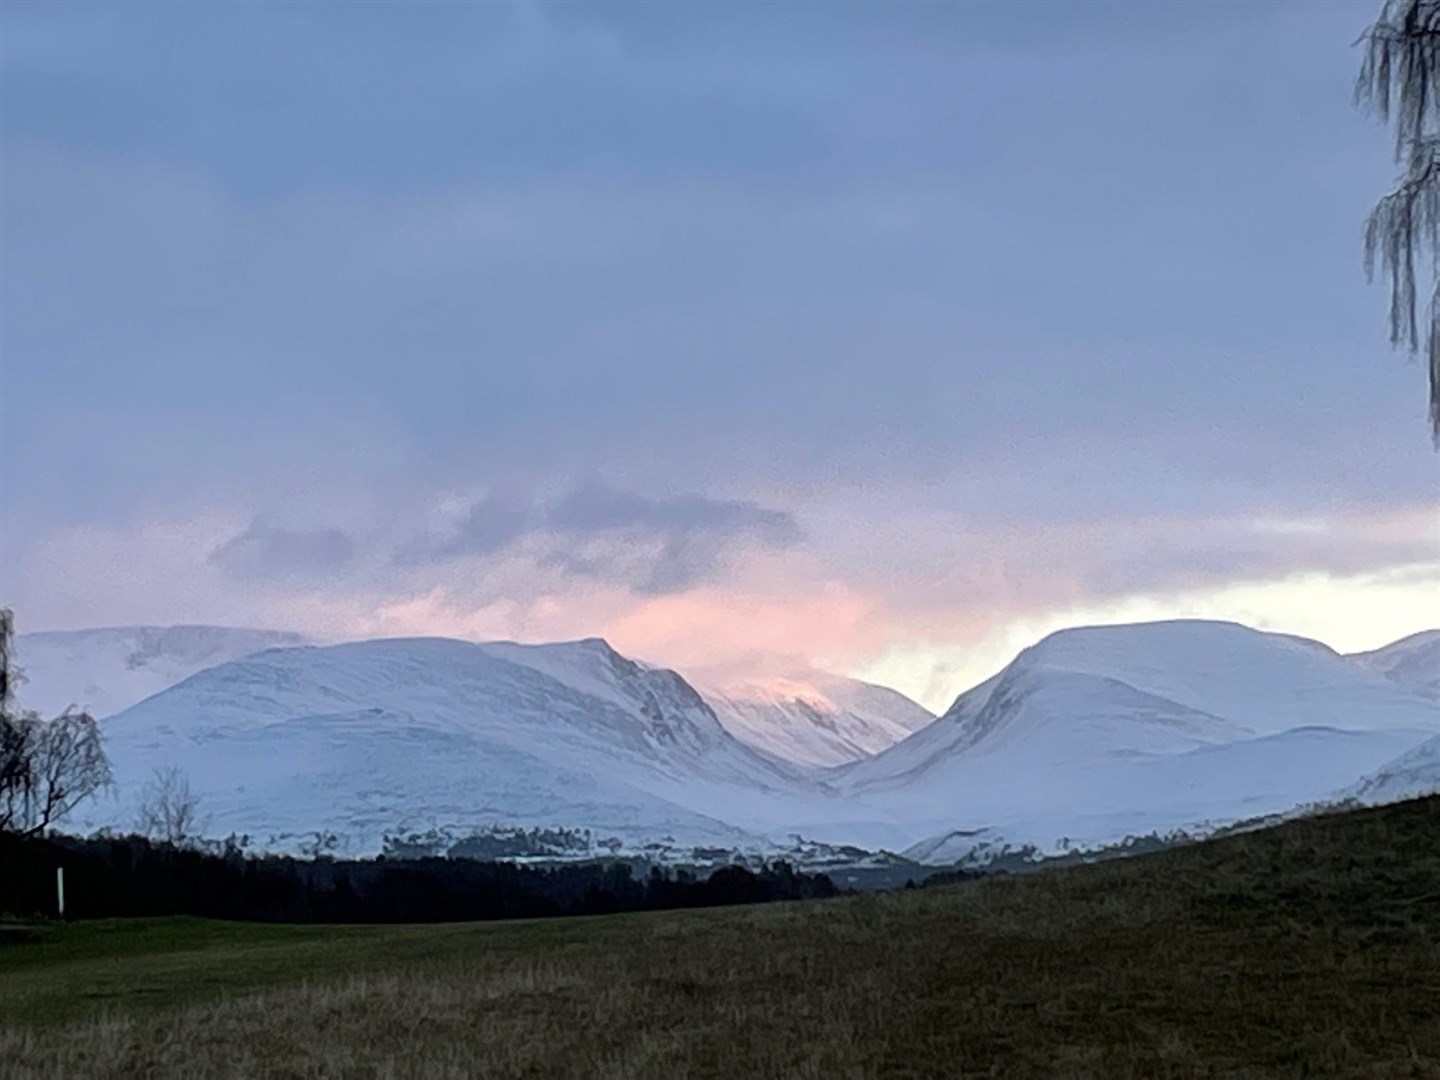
{"x": 47, "y": 767}
{"x": 1399, "y": 82}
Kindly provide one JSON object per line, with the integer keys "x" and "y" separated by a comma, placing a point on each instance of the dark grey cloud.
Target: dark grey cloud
{"x": 672, "y": 566}
{"x": 749, "y": 238}
{"x": 263, "y": 551}
{"x": 491, "y": 525}
{"x": 1043, "y": 269}
{"x": 1212, "y": 556}
{"x": 596, "y": 507}
{"x": 650, "y": 544}
{"x": 659, "y": 545}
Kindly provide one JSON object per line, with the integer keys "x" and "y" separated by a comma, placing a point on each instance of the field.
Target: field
{"x": 1309, "y": 949}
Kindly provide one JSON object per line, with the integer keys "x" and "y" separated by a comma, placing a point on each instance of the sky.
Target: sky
{"x": 884, "y": 337}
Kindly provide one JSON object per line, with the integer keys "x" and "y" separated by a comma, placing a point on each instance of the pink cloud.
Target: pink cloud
{"x": 869, "y": 585}
{"x": 712, "y": 625}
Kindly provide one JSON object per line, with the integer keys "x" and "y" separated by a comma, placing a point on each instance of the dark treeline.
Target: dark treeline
{"x": 130, "y": 876}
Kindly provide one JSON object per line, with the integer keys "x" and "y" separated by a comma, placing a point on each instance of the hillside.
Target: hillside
{"x": 1308, "y": 949}
{"x": 109, "y": 669}
{"x": 1412, "y": 662}
{"x": 1099, "y": 733}
{"x": 1414, "y": 773}
{"x": 386, "y": 737}
{"x": 811, "y": 717}
{"x": 1089, "y": 737}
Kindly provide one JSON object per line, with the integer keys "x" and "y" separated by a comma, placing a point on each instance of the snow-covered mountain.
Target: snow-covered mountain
{"x": 383, "y": 737}
{"x": 1087, "y": 737}
{"x": 106, "y": 670}
{"x": 1102, "y": 732}
{"x": 1165, "y": 687}
{"x": 812, "y": 717}
{"x": 1412, "y": 662}
{"x": 1414, "y": 773}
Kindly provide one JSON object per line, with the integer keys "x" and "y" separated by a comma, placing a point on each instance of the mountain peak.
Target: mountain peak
{"x": 810, "y": 717}
{"x": 1169, "y": 633}
{"x": 1089, "y": 693}
{"x": 1412, "y": 663}
{"x": 107, "y": 669}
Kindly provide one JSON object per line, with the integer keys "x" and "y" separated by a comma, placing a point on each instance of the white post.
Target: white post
{"x": 60, "y": 890}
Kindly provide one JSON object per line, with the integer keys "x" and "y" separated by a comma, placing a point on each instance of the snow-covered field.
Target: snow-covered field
{"x": 1089, "y": 737}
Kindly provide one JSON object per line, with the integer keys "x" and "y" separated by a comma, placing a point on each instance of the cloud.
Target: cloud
{"x": 489, "y": 526}
{"x": 1349, "y": 612}
{"x": 652, "y": 545}
{"x": 1132, "y": 557}
{"x": 595, "y": 506}
{"x": 985, "y": 394}
{"x": 709, "y": 625}
{"x": 262, "y": 551}
{"x": 929, "y": 620}
{"x": 660, "y": 545}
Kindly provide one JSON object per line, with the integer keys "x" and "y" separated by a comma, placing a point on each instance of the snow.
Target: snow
{"x": 1266, "y": 682}
{"x": 1414, "y": 773}
{"x": 812, "y": 717}
{"x": 1089, "y": 737}
{"x": 377, "y": 737}
{"x": 106, "y": 670}
{"x": 1412, "y": 662}
{"x": 1100, "y": 733}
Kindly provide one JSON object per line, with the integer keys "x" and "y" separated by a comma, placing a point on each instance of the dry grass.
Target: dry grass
{"x": 1312, "y": 949}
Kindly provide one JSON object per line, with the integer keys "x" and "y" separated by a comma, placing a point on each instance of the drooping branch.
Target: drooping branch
{"x": 1401, "y": 224}
{"x": 47, "y": 767}
{"x": 1400, "y": 82}
{"x": 16, "y": 772}
{"x": 70, "y": 766}
{"x": 1397, "y": 78}
{"x": 9, "y": 675}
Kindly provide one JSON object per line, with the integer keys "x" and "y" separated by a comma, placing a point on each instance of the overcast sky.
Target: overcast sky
{"x": 886, "y": 336}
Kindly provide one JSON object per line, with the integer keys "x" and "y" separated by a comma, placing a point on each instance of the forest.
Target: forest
{"x": 108, "y": 877}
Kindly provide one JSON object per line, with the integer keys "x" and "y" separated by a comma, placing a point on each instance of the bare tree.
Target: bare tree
{"x": 62, "y": 764}
{"x": 1400, "y": 82}
{"x": 9, "y": 673}
{"x": 14, "y": 756}
{"x": 169, "y": 810}
{"x": 47, "y": 767}
{"x": 15, "y": 770}
{"x": 67, "y": 764}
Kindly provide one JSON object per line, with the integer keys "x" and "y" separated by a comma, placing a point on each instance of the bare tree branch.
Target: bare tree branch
{"x": 169, "y": 810}
{"x": 47, "y": 767}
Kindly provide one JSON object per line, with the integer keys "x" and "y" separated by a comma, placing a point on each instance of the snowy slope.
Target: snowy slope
{"x": 1412, "y": 774}
{"x": 1101, "y": 803}
{"x": 1099, "y": 733}
{"x": 1090, "y": 736}
{"x": 812, "y": 717}
{"x": 698, "y": 748}
{"x": 1149, "y": 688}
{"x": 106, "y": 670}
{"x": 379, "y": 737}
{"x": 1412, "y": 662}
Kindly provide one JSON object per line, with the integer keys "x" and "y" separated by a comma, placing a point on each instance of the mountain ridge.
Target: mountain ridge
{"x": 1412, "y": 662}
{"x": 1120, "y": 730}
{"x": 812, "y": 717}
{"x": 1090, "y": 735}
{"x": 370, "y": 738}
{"x": 106, "y": 669}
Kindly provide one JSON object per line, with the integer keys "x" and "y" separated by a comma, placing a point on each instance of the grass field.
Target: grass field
{"x": 1312, "y": 949}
